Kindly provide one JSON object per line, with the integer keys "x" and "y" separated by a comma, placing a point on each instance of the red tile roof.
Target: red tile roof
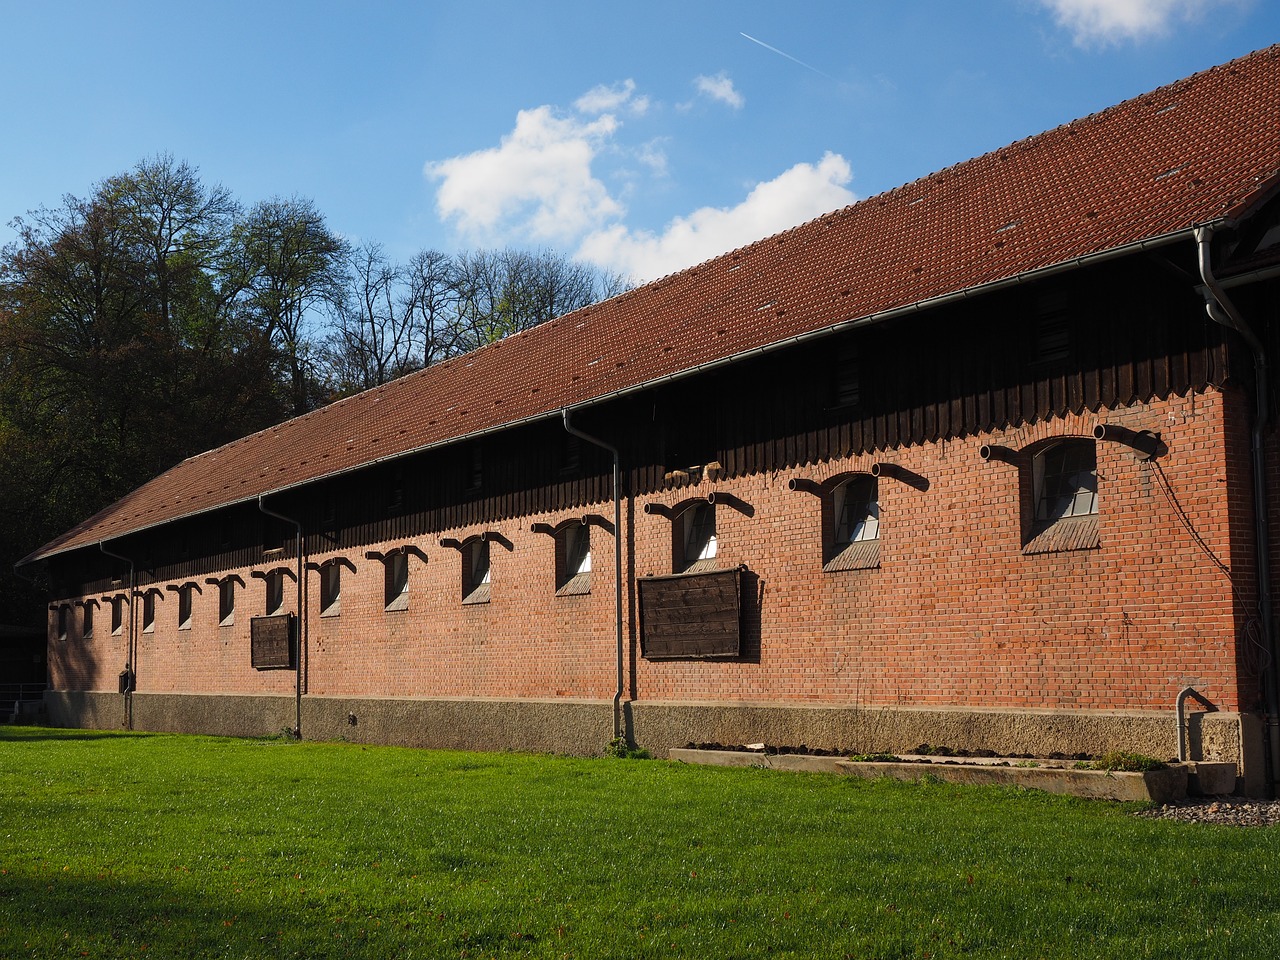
{"x": 1201, "y": 150}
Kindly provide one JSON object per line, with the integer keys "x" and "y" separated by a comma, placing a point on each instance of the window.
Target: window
{"x": 63, "y": 617}
{"x": 696, "y": 533}
{"x": 1066, "y": 480}
{"x": 573, "y": 560}
{"x": 275, "y": 592}
{"x": 148, "y": 612}
{"x": 1064, "y": 489}
{"x": 330, "y": 589}
{"x": 475, "y": 572}
{"x": 185, "y": 595}
{"x": 117, "y": 615}
{"x": 857, "y": 511}
{"x": 226, "y": 602}
{"x": 86, "y": 620}
{"x": 396, "y": 581}
{"x": 854, "y": 541}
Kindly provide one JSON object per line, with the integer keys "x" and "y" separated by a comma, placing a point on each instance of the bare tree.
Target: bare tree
{"x": 374, "y": 336}
{"x": 431, "y": 298}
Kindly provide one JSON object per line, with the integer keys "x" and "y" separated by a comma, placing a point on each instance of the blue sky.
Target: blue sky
{"x": 644, "y": 137}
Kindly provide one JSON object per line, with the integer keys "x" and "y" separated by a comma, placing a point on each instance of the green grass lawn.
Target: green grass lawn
{"x": 127, "y": 845}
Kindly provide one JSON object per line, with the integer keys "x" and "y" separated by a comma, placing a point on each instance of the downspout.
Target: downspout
{"x": 132, "y": 643}
{"x": 1223, "y": 311}
{"x": 617, "y": 559}
{"x": 297, "y": 667}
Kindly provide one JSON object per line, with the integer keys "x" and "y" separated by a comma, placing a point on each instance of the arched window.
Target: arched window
{"x": 856, "y": 511}
{"x": 186, "y": 597}
{"x": 475, "y": 571}
{"x": 331, "y": 589}
{"x": 395, "y": 573}
{"x": 1066, "y": 480}
{"x": 697, "y": 536}
{"x": 573, "y": 559}
{"x": 226, "y": 602}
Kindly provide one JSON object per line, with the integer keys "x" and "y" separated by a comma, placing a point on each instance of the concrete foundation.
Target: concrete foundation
{"x": 584, "y": 727}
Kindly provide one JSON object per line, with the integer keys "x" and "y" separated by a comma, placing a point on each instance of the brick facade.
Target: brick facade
{"x": 955, "y": 614}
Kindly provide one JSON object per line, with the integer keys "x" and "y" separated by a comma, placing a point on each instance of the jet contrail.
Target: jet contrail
{"x": 788, "y": 56}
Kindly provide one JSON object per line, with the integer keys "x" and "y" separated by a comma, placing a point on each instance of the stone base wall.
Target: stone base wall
{"x": 584, "y": 727}
{"x": 1229, "y": 737}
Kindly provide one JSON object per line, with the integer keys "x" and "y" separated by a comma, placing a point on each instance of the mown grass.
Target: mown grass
{"x": 126, "y": 845}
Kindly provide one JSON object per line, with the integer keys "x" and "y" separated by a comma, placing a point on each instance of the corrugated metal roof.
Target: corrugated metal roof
{"x": 1198, "y": 151}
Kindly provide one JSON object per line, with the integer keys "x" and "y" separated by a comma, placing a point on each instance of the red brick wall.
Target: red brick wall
{"x": 955, "y": 613}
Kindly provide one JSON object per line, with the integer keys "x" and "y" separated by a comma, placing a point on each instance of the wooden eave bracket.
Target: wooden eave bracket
{"x": 409, "y": 549}
{"x": 235, "y": 577}
{"x": 586, "y": 520}
{"x": 263, "y": 574}
{"x": 342, "y": 561}
{"x": 491, "y": 536}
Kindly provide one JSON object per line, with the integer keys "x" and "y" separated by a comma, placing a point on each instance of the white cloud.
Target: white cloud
{"x": 604, "y": 98}
{"x": 798, "y": 194}
{"x": 1093, "y": 22}
{"x": 542, "y": 186}
{"x": 537, "y": 182}
{"x": 720, "y": 87}
{"x": 653, "y": 156}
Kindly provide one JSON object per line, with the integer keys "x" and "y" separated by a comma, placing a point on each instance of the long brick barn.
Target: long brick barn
{"x": 987, "y": 461}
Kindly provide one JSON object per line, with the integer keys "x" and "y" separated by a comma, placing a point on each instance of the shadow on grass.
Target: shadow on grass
{"x": 110, "y": 917}
{"x": 27, "y": 734}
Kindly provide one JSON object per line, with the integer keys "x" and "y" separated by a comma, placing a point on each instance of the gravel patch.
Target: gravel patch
{"x": 1233, "y": 811}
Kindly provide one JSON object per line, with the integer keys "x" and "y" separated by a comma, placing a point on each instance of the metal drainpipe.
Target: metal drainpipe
{"x": 1180, "y": 709}
{"x": 297, "y": 667}
{"x": 617, "y": 559}
{"x": 1221, "y": 310}
{"x": 132, "y": 644}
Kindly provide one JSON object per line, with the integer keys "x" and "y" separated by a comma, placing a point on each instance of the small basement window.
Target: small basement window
{"x": 395, "y": 569}
{"x": 475, "y": 572}
{"x": 573, "y": 560}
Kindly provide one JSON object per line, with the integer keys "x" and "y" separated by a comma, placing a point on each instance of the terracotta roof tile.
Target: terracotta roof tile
{"x": 1200, "y": 150}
